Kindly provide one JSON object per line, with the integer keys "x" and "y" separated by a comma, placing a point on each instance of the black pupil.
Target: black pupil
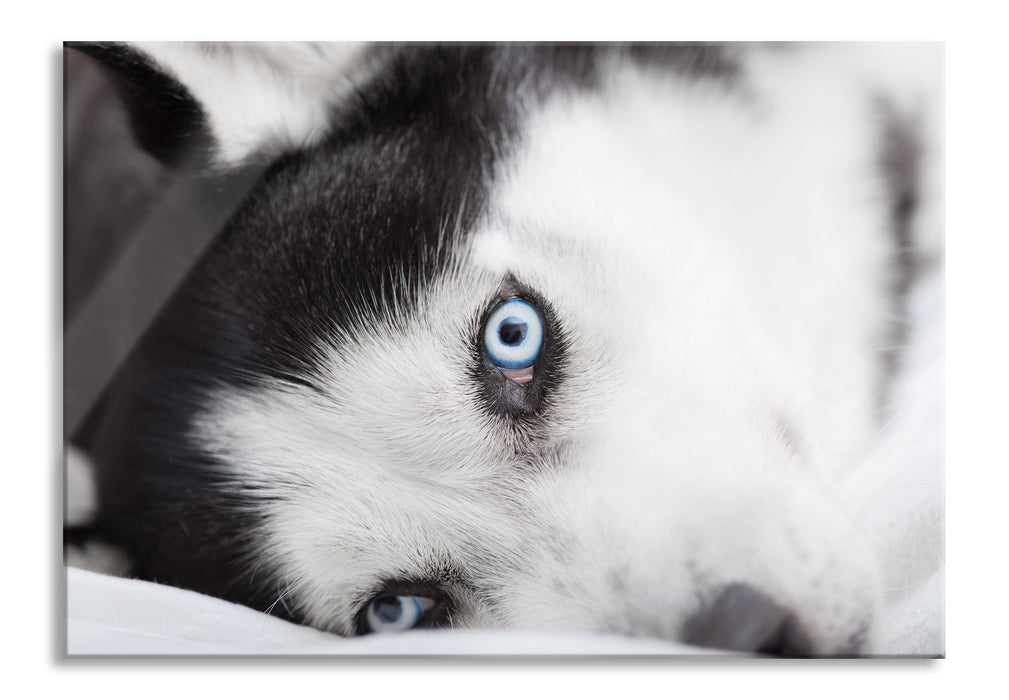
{"x": 512, "y": 330}
{"x": 388, "y": 609}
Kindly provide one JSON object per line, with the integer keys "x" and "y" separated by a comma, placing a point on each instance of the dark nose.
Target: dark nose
{"x": 741, "y": 618}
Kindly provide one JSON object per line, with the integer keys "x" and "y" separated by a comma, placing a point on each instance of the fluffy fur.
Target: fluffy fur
{"x": 709, "y": 234}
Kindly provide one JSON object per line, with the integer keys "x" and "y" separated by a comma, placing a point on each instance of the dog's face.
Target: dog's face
{"x": 529, "y": 338}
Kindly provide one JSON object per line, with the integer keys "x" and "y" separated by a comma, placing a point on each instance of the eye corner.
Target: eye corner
{"x": 520, "y": 376}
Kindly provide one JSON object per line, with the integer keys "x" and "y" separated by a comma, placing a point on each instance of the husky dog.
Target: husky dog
{"x": 566, "y": 337}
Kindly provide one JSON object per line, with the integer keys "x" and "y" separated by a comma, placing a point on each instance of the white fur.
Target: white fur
{"x": 717, "y": 261}
{"x": 260, "y": 94}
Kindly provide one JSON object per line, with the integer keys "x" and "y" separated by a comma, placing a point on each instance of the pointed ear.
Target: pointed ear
{"x": 226, "y": 103}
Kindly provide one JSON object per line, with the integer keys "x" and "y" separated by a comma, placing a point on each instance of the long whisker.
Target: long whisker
{"x": 281, "y": 599}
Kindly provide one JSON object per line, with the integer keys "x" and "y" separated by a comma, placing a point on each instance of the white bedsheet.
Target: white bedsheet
{"x": 109, "y": 615}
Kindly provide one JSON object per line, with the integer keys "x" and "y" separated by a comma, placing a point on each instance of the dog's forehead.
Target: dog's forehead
{"x": 411, "y": 161}
{"x": 361, "y": 266}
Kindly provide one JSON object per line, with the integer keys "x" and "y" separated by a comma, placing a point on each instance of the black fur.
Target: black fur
{"x": 166, "y": 119}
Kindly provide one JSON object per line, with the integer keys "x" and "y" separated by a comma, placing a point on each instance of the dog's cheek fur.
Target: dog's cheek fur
{"x": 389, "y": 469}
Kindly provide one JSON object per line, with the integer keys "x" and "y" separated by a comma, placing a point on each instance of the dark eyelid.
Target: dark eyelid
{"x": 400, "y": 586}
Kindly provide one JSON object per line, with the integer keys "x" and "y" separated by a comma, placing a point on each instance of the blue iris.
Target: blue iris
{"x": 394, "y": 613}
{"x": 513, "y": 336}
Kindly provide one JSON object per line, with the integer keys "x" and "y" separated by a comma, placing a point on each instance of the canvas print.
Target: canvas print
{"x": 504, "y": 349}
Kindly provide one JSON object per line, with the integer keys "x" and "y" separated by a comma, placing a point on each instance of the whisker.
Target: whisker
{"x": 283, "y": 595}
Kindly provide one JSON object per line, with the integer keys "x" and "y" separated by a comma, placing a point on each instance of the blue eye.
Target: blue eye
{"x": 513, "y": 336}
{"x": 396, "y": 613}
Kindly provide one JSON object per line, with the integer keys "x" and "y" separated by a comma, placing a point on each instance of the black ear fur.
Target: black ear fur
{"x": 165, "y": 117}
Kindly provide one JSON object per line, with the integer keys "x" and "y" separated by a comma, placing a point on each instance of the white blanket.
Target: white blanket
{"x": 112, "y": 615}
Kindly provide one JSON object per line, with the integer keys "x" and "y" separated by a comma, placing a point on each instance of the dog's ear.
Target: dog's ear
{"x": 226, "y": 103}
